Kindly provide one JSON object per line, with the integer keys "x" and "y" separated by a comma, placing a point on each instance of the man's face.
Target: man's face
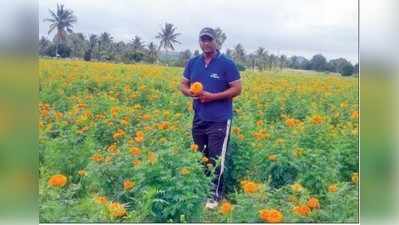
{"x": 207, "y": 44}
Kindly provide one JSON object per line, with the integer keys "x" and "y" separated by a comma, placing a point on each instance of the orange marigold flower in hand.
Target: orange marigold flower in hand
{"x": 313, "y": 203}
{"x": 225, "y": 208}
{"x": 196, "y": 88}
{"x": 57, "y": 180}
{"x": 271, "y": 215}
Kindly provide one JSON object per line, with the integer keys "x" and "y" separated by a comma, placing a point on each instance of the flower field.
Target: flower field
{"x": 115, "y": 145}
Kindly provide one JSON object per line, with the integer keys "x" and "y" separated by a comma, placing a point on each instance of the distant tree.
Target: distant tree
{"x": 44, "y": 46}
{"x": 220, "y": 37}
{"x": 283, "y": 62}
{"x": 78, "y": 44}
{"x": 347, "y": 70}
{"x": 132, "y": 56}
{"x": 105, "y": 42}
{"x": 152, "y": 53}
{"x": 229, "y": 53}
{"x": 261, "y": 58}
{"x": 336, "y": 65}
{"x": 62, "y": 20}
{"x": 184, "y": 57}
{"x": 168, "y": 37}
{"x": 137, "y": 44}
{"x": 196, "y": 53}
{"x": 239, "y": 54}
{"x": 252, "y": 61}
{"x": 318, "y": 63}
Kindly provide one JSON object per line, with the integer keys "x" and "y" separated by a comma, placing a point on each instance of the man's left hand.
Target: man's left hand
{"x": 207, "y": 97}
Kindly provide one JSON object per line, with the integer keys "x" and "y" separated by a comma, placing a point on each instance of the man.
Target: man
{"x": 213, "y": 108}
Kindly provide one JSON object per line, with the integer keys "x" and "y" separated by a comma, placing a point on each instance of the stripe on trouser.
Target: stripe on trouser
{"x": 224, "y": 148}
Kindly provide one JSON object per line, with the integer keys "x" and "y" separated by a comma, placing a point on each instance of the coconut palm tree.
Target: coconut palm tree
{"x": 61, "y": 20}
{"x": 152, "y": 52}
{"x": 168, "y": 37}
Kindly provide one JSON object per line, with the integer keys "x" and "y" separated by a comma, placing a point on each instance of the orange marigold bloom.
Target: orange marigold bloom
{"x": 163, "y": 126}
{"x": 117, "y": 209}
{"x": 355, "y": 178}
{"x": 271, "y": 215}
{"x": 113, "y": 149}
{"x": 102, "y": 200}
{"x": 225, "y": 208}
{"x": 196, "y": 88}
{"x": 152, "y": 158}
{"x": 194, "y": 147}
{"x": 128, "y": 185}
{"x": 139, "y": 136}
{"x": 291, "y": 122}
{"x": 332, "y": 188}
{"x": 272, "y": 157}
{"x": 259, "y": 123}
{"x": 146, "y": 117}
{"x": 118, "y": 134}
{"x": 97, "y": 157}
{"x": 302, "y": 210}
{"x": 136, "y": 162}
{"x": 249, "y": 186}
{"x": 355, "y": 115}
{"x": 313, "y": 203}
{"x": 317, "y": 119}
{"x": 135, "y": 151}
{"x": 57, "y": 180}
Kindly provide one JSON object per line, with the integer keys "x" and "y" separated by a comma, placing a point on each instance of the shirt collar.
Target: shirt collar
{"x": 214, "y": 57}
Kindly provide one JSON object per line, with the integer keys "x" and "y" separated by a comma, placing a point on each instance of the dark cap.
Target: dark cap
{"x": 208, "y": 32}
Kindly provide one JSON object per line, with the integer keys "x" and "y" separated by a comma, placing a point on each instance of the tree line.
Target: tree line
{"x": 103, "y": 47}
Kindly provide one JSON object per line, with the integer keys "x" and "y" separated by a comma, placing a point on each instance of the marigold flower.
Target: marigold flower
{"x": 146, "y": 117}
{"x": 355, "y": 115}
{"x": 317, "y": 119}
{"x": 194, "y": 147}
{"x": 118, "y": 134}
{"x": 97, "y": 157}
{"x": 136, "y": 162}
{"x": 249, "y": 186}
{"x": 184, "y": 171}
{"x": 259, "y": 123}
{"x": 82, "y": 173}
{"x": 163, "y": 126}
{"x": 296, "y": 187}
{"x": 113, "y": 149}
{"x": 302, "y": 210}
{"x": 272, "y": 157}
{"x": 355, "y": 178}
{"x": 135, "y": 151}
{"x": 102, "y": 200}
{"x": 117, "y": 210}
{"x": 152, "y": 158}
{"x": 225, "y": 208}
{"x": 196, "y": 88}
{"x": 139, "y": 136}
{"x": 332, "y": 188}
{"x": 313, "y": 203}
{"x": 57, "y": 180}
{"x": 271, "y": 215}
{"x": 128, "y": 185}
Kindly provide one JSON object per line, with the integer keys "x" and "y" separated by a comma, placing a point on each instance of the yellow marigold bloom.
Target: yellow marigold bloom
{"x": 298, "y": 152}
{"x": 249, "y": 186}
{"x": 57, "y": 180}
{"x": 135, "y": 151}
{"x": 272, "y": 157}
{"x": 152, "y": 158}
{"x": 184, "y": 171}
{"x": 136, "y": 162}
{"x": 296, "y": 187}
{"x": 117, "y": 210}
{"x": 313, "y": 203}
{"x": 225, "y": 208}
{"x": 114, "y": 111}
{"x": 355, "y": 115}
{"x": 332, "y": 188}
{"x": 317, "y": 119}
{"x": 355, "y": 178}
{"x": 344, "y": 104}
{"x": 236, "y": 130}
{"x": 291, "y": 122}
{"x": 82, "y": 173}
{"x": 271, "y": 215}
{"x": 128, "y": 185}
{"x": 302, "y": 210}
{"x": 97, "y": 157}
{"x": 102, "y": 200}
{"x": 205, "y": 159}
{"x": 194, "y": 147}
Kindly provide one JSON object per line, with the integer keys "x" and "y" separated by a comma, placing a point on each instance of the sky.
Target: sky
{"x": 291, "y": 27}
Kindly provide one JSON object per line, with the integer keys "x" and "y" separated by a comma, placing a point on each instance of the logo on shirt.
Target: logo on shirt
{"x": 215, "y": 75}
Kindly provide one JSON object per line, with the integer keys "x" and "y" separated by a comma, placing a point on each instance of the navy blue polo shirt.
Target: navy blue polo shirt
{"x": 215, "y": 77}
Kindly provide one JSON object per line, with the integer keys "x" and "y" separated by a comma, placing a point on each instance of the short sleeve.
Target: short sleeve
{"x": 232, "y": 72}
{"x": 187, "y": 70}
